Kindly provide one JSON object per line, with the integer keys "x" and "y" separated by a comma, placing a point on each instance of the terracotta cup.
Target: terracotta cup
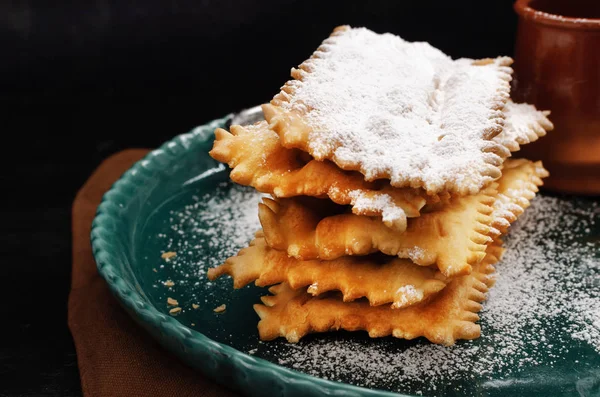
{"x": 557, "y": 68}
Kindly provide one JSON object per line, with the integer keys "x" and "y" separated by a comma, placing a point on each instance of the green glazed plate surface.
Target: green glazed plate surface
{"x": 178, "y": 199}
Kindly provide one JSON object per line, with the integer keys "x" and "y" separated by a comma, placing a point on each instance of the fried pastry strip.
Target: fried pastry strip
{"x": 454, "y": 238}
{"x": 380, "y": 279}
{"x": 429, "y": 125}
{"x": 448, "y": 316}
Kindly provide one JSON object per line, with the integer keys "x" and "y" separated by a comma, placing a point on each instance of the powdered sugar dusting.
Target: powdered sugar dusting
{"x": 524, "y": 124}
{"x": 505, "y": 207}
{"x": 416, "y": 253}
{"x": 591, "y": 314}
{"x": 409, "y": 294}
{"x": 390, "y": 213}
{"x": 402, "y": 110}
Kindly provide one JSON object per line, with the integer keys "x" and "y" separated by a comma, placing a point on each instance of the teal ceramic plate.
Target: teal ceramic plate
{"x": 540, "y": 325}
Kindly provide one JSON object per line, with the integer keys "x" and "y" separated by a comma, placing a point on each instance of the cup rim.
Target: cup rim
{"x": 524, "y": 10}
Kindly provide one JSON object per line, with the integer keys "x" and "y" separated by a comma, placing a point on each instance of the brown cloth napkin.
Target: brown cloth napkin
{"x": 117, "y": 357}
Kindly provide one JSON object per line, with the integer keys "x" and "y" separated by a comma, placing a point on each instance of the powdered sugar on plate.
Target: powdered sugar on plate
{"x": 539, "y": 324}
{"x": 219, "y": 222}
{"x": 402, "y": 110}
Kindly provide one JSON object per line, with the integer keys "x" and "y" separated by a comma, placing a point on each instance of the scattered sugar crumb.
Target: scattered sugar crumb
{"x": 168, "y": 283}
{"x": 154, "y": 270}
{"x": 168, "y": 255}
{"x": 172, "y": 302}
{"x": 220, "y": 309}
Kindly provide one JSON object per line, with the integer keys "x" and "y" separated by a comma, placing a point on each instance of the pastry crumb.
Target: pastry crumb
{"x": 195, "y": 306}
{"x": 168, "y": 255}
{"x": 172, "y": 302}
{"x": 193, "y": 324}
{"x": 169, "y": 283}
{"x": 175, "y": 310}
{"x": 154, "y": 270}
{"x": 220, "y": 309}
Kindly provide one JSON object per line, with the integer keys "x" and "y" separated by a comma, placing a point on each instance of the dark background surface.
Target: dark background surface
{"x": 79, "y": 82}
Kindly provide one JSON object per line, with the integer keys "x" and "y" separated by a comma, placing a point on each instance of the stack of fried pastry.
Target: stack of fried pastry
{"x": 388, "y": 166}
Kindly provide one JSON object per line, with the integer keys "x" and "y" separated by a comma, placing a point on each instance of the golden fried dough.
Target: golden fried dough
{"x": 448, "y": 316}
{"x": 382, "y": 280}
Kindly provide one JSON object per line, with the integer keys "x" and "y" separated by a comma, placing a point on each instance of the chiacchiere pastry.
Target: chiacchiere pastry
{"x": 399, "y": 281}
{"x": 442, "y": 318}
{"x": 391, "y": 185}
{"x": 363, "y": 96}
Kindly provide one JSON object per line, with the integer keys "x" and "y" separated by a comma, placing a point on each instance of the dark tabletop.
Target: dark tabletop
{"x": 81, "y": 82}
